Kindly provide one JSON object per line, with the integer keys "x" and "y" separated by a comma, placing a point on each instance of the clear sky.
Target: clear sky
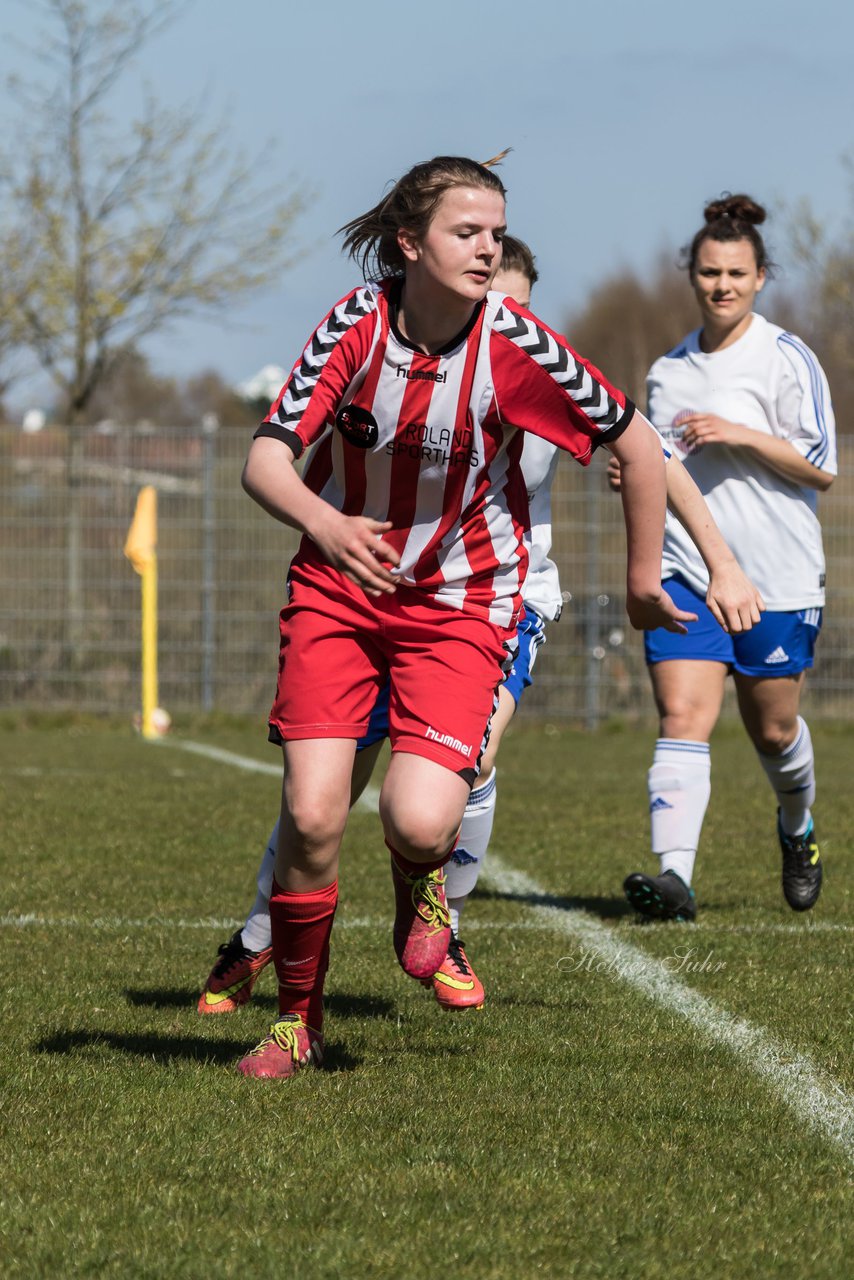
{"x": 624, "y": 119}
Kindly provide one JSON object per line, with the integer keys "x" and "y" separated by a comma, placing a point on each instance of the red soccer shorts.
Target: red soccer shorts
{"x": 338, "y": 645}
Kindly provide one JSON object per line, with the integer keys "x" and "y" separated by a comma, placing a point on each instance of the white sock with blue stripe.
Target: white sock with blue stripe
{"x": 679, "y": 785}
{"x": 792, "y": 775}
{"x": 256, "y": 934}
{"x": 464, "y": 867}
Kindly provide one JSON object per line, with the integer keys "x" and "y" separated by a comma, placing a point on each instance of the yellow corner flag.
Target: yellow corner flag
{"x": 141, "y": 542}
{"x": 141, "y": 550}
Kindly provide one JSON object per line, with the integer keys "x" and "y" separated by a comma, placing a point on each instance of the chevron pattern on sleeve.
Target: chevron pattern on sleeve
{"x": 560, "y": 361}
{"x": 318, "y": 350}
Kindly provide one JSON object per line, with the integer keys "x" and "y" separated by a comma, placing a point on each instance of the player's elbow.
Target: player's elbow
{"x": 246, "y": 479}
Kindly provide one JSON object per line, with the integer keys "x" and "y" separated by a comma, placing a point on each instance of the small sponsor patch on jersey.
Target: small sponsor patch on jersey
{"x": 658, "y": 804}
{"x": 357, "y": 425}
{"x": 778, "y": 655}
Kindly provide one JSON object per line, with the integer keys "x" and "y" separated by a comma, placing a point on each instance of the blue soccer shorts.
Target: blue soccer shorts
{"x": 781, "y": 644}
{"x": 531, "y": 633}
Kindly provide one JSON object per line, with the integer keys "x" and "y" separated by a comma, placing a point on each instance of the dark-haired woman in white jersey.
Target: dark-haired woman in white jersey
{"x": 746, "y": 407}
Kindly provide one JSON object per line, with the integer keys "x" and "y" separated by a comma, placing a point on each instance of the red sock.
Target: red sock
{"x": 419, "y": 868}
{"x": 301, "y": 924}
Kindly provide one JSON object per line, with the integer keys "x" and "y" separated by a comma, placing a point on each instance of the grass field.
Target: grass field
{"x": 633, "y": 1101}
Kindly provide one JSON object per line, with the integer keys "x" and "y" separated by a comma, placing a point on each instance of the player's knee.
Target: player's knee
{"x": 774, "y": 738}
{"x": 421, "y": 837}
{"x": 315, "y": 824}
{"x": 684, "y": 718}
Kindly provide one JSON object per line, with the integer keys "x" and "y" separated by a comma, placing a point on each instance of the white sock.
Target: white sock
{"x": 679, "y": 785}
{"x": 792, "y": 775}
{"x": 256, "y": 934}
{"x": 462, "y": 871}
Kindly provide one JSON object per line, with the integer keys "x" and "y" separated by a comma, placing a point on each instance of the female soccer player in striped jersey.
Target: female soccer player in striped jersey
{"x": 455, "y": 984}
{"x": 414, "y": 511}
{"x": 747, "y": 406}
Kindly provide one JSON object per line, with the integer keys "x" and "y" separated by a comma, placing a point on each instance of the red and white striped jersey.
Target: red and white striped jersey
{"x": 433, "y": 443}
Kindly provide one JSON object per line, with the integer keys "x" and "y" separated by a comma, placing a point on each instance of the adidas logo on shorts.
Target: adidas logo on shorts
{"x": 658, "y": 804}
{"x": 779, "y": 655}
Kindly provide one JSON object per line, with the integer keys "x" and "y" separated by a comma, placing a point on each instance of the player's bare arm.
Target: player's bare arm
{"x": 352, "y": 544}
{"x": 643, "y": 492}
{"x": 781, "y": 455}
{"x": 732, "y": 597}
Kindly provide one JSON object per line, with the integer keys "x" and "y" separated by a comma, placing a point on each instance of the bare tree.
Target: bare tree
{"x": 116, "y": 229}
{"x": 825, "y": 297}
{"x": 628, "y": 322}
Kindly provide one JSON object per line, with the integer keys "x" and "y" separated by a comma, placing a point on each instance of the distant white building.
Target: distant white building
{"x": 264, "y": 385}
{"x": 34, "y": 420}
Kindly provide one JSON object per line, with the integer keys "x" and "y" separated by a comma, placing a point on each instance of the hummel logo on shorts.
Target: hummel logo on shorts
{"x": 779, "y": 655}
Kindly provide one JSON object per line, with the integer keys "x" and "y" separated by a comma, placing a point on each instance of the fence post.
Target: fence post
{"x": 210, "y": 426}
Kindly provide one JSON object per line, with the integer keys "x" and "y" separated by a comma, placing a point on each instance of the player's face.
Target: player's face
{"x": 458, "y": 254}
{"x": 726, "y": 281}
{"x": 514, "y": 282}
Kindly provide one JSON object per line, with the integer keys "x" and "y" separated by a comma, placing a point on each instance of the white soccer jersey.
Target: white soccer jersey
{"x": 433, "y": 443}
{"x": 771, "y": 382}
{"x": 541, "y": 590}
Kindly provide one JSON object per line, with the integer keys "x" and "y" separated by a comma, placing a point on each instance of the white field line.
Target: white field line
{"x": 813, "y": 1095}
{"x": 222, "y": 757}
{"x": 369, "y": 798}
{"x": 121, "y": 923}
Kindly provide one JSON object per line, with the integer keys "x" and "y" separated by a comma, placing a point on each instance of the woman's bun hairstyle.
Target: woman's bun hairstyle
{"x": 739, "y": 208}
{"x": 728, "y": 219}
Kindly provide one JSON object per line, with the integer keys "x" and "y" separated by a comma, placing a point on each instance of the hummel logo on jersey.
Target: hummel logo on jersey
{"x": 779, "y": 655}
{"x": 357, "y": 425}
{"x": 445, "y": 740}
{"x": 658, "y": 804}
{"x": 420, "y": 375}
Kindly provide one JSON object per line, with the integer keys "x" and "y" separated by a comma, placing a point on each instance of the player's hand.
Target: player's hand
{"x": 646, "y": 613}
{"x": 733, "y": 599}
{"x": 356, "y": 547}
{"x": 614, "y": 481}
{"x": 707, "y": 428}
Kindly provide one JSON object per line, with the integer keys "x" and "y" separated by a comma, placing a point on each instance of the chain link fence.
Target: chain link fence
{"x": 70, "y": 601}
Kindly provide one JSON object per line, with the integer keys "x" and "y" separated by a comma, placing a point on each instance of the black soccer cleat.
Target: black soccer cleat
{"x": 801, "y": 867}
{"x": 664, "y": 897}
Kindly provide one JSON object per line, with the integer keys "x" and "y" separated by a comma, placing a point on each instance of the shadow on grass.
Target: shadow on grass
{"x": 162, "y": 1048}
{"x": 604, "y": 908}
{"x": 163, "y": 998}
{"x": 338, "y": 1003}
{"x": 342, "y": 1005}
{"x": 166, "y": 1049}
